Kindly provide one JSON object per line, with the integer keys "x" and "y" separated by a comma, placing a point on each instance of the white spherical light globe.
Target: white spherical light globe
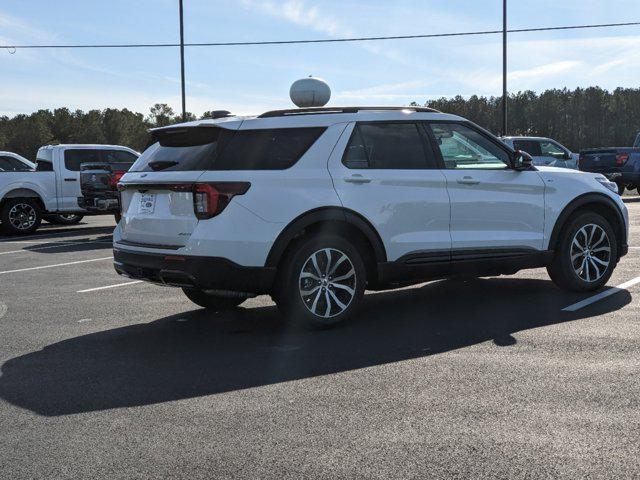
{"x": 310, "y": 92}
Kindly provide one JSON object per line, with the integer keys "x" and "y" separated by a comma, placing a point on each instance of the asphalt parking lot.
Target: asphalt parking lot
{"x": 499, "y": 377}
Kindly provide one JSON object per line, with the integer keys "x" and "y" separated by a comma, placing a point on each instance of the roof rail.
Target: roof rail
{"x": 330, "y": 110}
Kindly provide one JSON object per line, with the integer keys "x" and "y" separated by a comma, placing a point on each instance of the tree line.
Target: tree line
{"x": 580, "y": 118}
{"x": 25, "y": 134}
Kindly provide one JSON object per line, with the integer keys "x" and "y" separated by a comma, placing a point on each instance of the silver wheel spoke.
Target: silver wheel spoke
{"x": 315, "y": 302}
{"x": 337, "y": 300}
{"x": 350, "y": 290}
{"x": 306, "y": 293}
{"x": 595, "y": 267}
{"x": 327, "y": 312}
{"x": 309, "y": 275}
{"x": 601, "y": 262}
{"x": 315, "y": 287}
{"x": 350, "y": 274}
{"x": 592, "y": 243}
{"x": 314, "y": 260}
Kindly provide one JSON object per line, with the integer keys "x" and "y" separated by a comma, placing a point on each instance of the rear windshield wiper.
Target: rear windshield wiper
{"x": 162, "y": 164}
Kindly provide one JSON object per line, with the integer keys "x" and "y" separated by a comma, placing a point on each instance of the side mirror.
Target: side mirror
{"x": 522, "y": 160}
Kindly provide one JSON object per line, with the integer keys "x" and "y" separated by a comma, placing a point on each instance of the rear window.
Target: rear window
{"x": 210, "y": 148}
{"x": 74, "y": 158}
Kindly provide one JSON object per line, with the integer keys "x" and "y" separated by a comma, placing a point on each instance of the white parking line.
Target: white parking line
{"x": 56, "y": 265}
{"x": 36, "y": 248}
{"x": 601, "y": 295}
{"x": 109, "y": 286}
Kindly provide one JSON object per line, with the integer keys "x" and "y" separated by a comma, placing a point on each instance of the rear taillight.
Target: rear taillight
{"x": 209, "y": 199}
{"x": 621, "y": 159}
{"x": 115, "y": 178}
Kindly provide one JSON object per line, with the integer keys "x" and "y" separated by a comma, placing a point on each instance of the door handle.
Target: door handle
{"x": 466, "y": 180}
{"x": 357, "y": 179}
{"x": 70, "y": 179}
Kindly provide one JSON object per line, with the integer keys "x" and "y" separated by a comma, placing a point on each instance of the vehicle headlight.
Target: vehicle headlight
{"x": 604, "y": 181}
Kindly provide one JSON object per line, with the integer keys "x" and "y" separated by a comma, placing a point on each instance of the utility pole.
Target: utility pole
{"x": 504, "y": 67}
{"x": 184, "y": 107}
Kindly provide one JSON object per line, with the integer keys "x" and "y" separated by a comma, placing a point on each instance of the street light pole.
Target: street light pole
{"x": 184, "y": 107}
{"x": 504, "y": 67}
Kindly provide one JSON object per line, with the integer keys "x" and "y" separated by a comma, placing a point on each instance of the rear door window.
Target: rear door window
{"x": 73, "y": 158}
{"x": 399, "y": 146}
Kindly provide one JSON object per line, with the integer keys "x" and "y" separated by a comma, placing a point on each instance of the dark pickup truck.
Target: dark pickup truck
{"x": 619, "y": 164}
{"x": 98, "y": 183}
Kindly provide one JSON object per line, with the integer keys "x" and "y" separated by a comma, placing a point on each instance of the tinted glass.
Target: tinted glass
{"x": 44, "y": 166}
{"x": 550, "y": 149}
{"x": 209, "y": 148}
{"x": 182, "y": 150}
{"x": 397, "y": 146}
{"x": 532, "y": 147}
{"x": 464, "y": 147}
{"x": 10, "y": 164}
{"x": 266, "y": 149}
{"x": 74, "y": 158}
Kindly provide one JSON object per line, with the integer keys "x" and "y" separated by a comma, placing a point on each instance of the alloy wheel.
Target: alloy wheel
{"x": 327, "y": 282}
{"x": 22, "y": 216}
{"x": 590, "y": 252}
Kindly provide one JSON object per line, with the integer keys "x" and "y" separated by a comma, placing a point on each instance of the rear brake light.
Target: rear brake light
{"x": 621, "y": 159}
{"x": 115, "y": 178}
{"x": 210, "y": 199}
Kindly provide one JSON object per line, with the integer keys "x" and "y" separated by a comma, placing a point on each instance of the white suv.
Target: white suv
{"x": 313, "y": 206}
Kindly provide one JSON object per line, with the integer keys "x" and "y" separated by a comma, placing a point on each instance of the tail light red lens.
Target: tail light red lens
{"x": 115, "y": 178}
{"x": 210, "y": 199}
{"x": 621, "y": 159}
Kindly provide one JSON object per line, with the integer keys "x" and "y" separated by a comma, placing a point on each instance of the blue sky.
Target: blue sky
{"x": 253, "y": 79}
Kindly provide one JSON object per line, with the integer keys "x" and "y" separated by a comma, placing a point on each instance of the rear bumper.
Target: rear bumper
{"x": 207, "y": 273}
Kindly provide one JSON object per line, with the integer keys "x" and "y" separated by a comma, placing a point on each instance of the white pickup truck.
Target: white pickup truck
{"x": 54, "y": 186}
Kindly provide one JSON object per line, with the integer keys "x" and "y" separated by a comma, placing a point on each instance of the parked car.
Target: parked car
{"x": 52, "y": 189}
{"x": 313, "y": 206}
{"x": 98, "y": 184}
{"x": 619, "y": 164}
{"x": 545, "y": 151}
{"x": 12, "y": 162}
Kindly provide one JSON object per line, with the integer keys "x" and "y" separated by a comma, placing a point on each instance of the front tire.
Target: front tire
{"x": 211, "y": 302}
{"x": 20, "y": 216}
{"x": 322, "y": 281}
{"x": 586, "y": 254}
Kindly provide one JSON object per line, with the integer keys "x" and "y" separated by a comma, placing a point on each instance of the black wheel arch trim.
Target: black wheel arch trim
{"x": 325, "y": 214}
{"x": 581, "y": 201}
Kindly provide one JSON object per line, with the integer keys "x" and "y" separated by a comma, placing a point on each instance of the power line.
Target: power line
{"x": 322, "y": 40}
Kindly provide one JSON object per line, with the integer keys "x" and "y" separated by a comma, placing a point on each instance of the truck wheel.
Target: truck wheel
{"x": 322, "y": 281}
{"x": 585, "y": 254}
{"x": 64, "y": 218}
{"x": 20, "y": 216}
{"x": 211, "y": 302}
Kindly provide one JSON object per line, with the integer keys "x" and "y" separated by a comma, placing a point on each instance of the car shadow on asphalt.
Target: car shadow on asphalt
{"x": 86, "y": 244}
{"x": 194, "y": 354}
{"x": 55, "y": 232}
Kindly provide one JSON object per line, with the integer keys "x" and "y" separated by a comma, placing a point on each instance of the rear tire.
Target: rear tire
{"x": 211, "y": 302}
{"x": 586, "y": 254}
{"x": 64, "y": 219}
{"x": 322, "y": 281}
{"x": 20, "y": 216}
